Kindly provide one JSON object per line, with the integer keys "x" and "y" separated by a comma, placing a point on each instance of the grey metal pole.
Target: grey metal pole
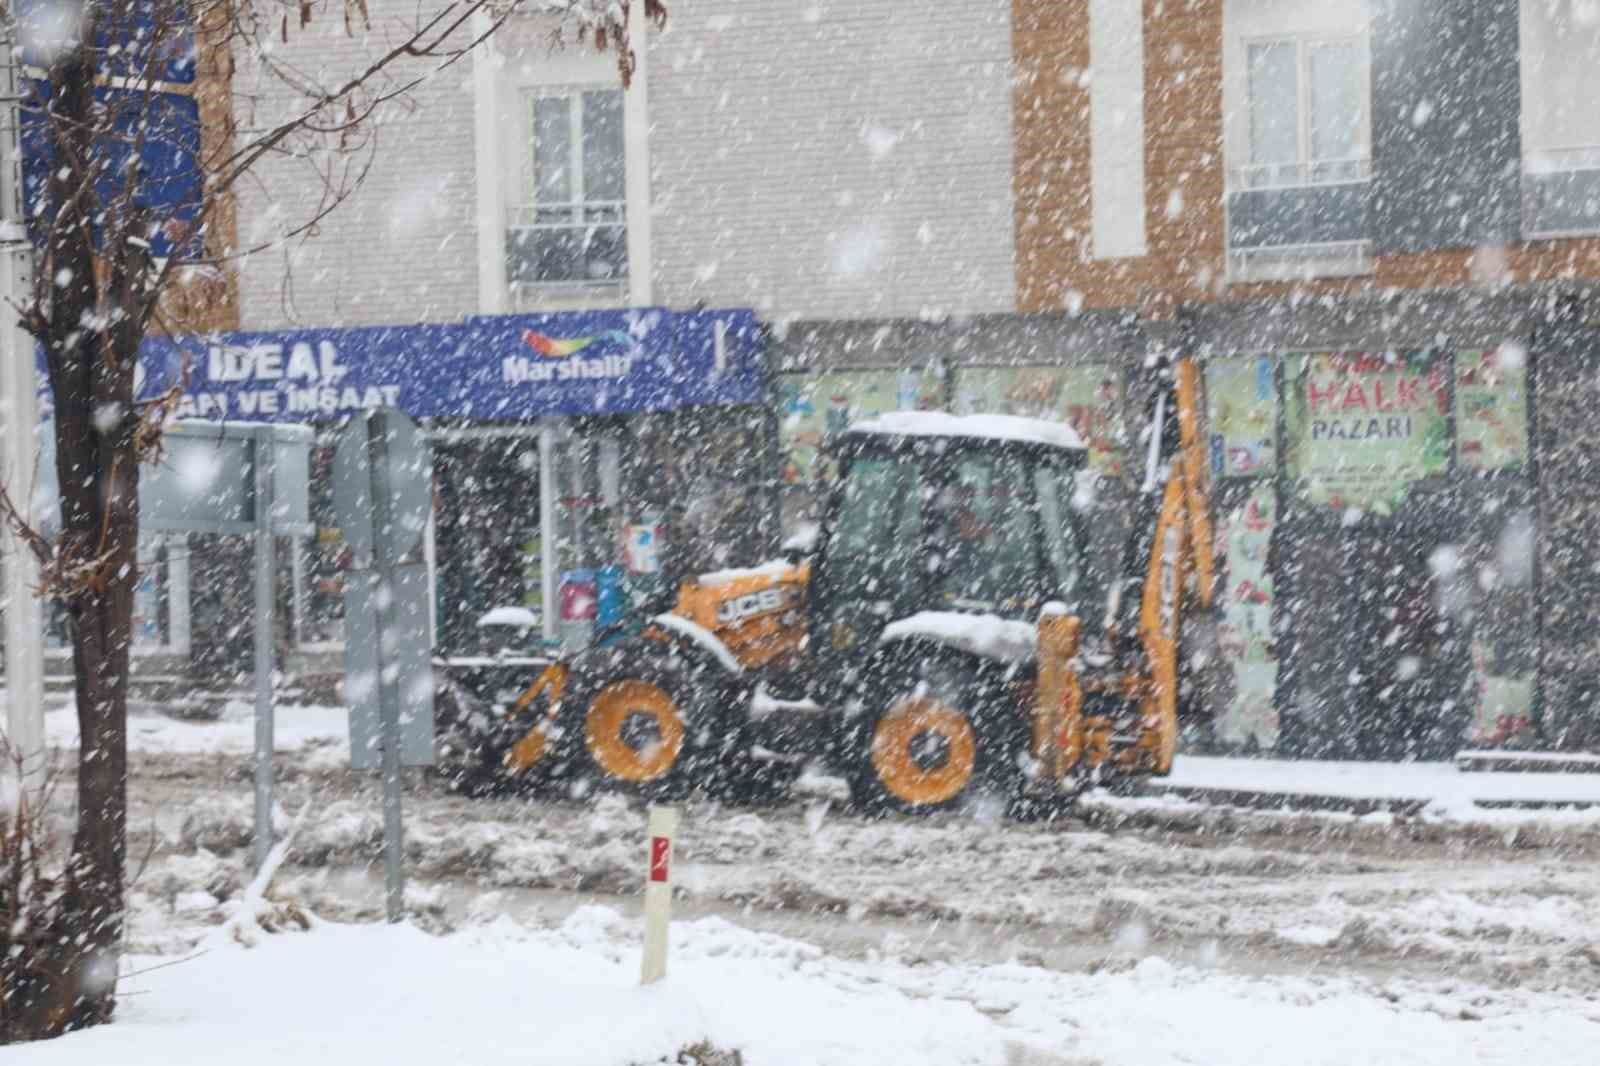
{"x": 262, "y": 460}
{"x": 24, "y": 612}
{"x": 388, "y": 679}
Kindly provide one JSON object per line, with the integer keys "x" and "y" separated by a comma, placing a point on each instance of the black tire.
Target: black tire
{"x": 467, "y": 756}
{"x": 1206, "y": 684}
{"x": 749, "y": 781}
{"x": 909, "y": 755}
{"x": 616, "y": 734}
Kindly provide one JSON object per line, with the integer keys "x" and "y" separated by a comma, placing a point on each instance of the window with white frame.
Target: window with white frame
{"x": 568, "y": 227}
{"x": 1308, "y": 112}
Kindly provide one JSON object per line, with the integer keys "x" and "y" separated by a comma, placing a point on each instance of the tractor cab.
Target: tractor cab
{"x": 937, "y": 516}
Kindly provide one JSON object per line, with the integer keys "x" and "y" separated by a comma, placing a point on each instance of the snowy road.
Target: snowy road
{"x": 1502, "y": 897}
{"x": 1467, "y": 931}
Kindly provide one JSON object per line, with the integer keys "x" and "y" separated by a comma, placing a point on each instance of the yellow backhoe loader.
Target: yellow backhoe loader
{"x": 949, "y": 636}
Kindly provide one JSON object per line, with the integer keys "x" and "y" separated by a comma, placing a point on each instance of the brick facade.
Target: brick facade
{"x": 1185, "y": 181}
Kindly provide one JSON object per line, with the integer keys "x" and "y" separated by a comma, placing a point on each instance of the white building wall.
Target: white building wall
{"x": 403, "y": 249}
{"x": 1116, "y": 127}
{"x": 812, "y": 160}
{"x": 833, "y": 159}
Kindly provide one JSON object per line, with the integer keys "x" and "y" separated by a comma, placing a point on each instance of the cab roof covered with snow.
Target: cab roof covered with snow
{"x": 986, "y": 427}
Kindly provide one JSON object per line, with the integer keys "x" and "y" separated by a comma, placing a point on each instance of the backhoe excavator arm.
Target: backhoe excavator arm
{"x": 1181, "y": 552}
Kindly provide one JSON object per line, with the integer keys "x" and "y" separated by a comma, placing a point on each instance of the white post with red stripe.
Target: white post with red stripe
{"x": 663, "y": 829}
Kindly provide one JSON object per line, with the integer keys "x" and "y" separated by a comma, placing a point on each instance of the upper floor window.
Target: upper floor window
{"x": 1307, "y": 102}
{"x": 568, "y": 227}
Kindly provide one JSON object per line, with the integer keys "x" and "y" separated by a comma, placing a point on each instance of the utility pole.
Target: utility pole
{"x": 19, "y": 450}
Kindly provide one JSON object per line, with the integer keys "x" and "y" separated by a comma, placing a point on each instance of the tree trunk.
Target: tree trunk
{"x": 91, "y": 345}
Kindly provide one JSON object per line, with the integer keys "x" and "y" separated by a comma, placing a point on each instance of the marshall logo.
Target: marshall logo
{"x": 558, "y": 359}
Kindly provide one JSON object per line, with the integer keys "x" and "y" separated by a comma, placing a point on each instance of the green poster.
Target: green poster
{"x": 1092, "y": 404}
{"x": 814, "y": 405}
{"x": 1087, "y": 397}
{"x": 1491, "y": 410}
{"x": 1030, "y": 391}
{"x": 1241, "y": 413}
{"x": 1504, "y": 708}
{"x": 1361, "y": 428}
{"x": 1245, "y": 534}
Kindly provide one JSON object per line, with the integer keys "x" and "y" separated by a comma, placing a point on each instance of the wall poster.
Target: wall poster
{"x": 810, "y": 406}
{"x": 1492, "y": 409}
{"x": 1242, "y": 416}
{"x": 1244, "y": 534}
{"x": 1087, "y": 397}
{"x": 1361, "y": 428}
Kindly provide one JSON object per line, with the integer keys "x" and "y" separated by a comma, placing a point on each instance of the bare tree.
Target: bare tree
{"x": 131, "y": 214}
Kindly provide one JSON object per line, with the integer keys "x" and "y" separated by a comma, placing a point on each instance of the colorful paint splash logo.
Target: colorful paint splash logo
{"x": 562, "y": 347}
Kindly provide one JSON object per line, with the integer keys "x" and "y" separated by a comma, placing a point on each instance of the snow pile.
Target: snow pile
{"x": 296, "y": 728}
{"x": 519, "y": 617}
{"x": 503, "y": 992}
{"x": 773, "y": 568}
{"x": 984, "y": 427}
{"x": 981, "y": 634}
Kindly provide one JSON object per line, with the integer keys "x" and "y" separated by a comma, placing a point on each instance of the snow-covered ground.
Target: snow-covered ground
{"x": 568, "y": 993}
{"x": 1439, "y": 785}
{"x": 299, "y": 728}
{"x": 1141, "y": 930}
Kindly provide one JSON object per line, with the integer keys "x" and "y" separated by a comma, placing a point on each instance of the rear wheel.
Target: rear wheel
{"x": 938, "y": 739}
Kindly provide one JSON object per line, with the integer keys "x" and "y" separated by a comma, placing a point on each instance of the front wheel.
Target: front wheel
{"x": 938, "y": 739}
{"x": 645, "y": 721}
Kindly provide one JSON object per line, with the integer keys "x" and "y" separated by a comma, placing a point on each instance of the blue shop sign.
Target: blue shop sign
{"x": 503, "y": 367}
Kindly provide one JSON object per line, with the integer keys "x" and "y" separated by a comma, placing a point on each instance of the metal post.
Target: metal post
{"x": 547, "y": 528}
{"x": 24, "y": 614}
{"x": 262, "y": 461}
{"x": 663, "y": 827}
{"x": 388, "y": 679}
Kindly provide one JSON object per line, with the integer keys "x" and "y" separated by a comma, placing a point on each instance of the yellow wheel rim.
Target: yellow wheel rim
{"x": 633, "y": 730}
{"x": 923, "y": 751}
{"x": 527, "y": 752}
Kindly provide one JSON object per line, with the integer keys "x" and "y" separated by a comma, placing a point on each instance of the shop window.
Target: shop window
{"x": 160, "y": 620}
{"x": 568, "y": 228}
{"x": 1560, "y": 124}
{"x": 1241, "y": 416}
{"x": 487, "y": 542}
{"x": 1088, "y": 397}
{"x": 1492, "y": 409}
{"x": 811, "y": 406}
{"x": 321, "y": 564}
{"x": 1307, "y": 102}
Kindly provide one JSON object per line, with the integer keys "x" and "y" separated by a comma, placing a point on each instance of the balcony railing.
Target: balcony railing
{"x": 1561, "y": 191}
{"x": 568, "y": 246}
{"x": 1301, "y": 174}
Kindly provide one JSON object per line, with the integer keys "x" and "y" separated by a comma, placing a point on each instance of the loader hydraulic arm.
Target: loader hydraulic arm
{"x": 1181, "y": 550}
